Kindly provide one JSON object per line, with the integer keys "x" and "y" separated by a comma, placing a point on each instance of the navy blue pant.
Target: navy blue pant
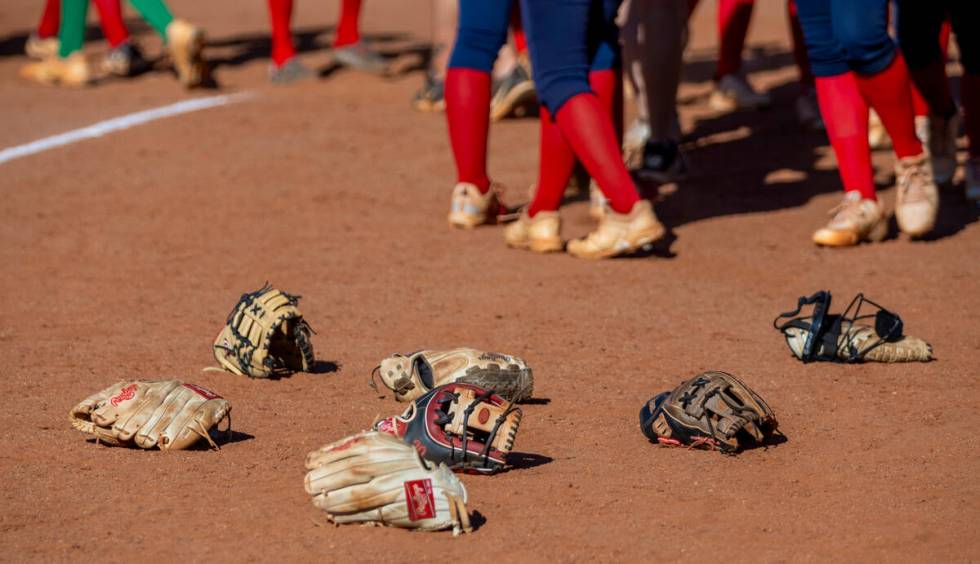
{"x": 566, "y": 38}
{"x": 846, "y": 35}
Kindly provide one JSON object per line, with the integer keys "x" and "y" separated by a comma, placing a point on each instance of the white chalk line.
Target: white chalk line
{"x": 118, "y": 124}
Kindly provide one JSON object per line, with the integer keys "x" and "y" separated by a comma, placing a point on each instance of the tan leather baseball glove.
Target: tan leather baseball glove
{"x": 265, "y": 335}
{"x": 413, "y": 375}
{"x": 168, "y": 414}
{"x": 375, "y": 478}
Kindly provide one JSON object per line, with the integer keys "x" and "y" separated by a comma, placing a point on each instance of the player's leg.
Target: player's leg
{"x": 284, "y": 67}
{"x": 964, "y": 15}
{"x": 124, "y": 58}
{"x": 807, "y": 111}
{"x": 184, "y": 40}
{"x": 732, "y": 90}
{"x": 861, "y": 26}
{"x": 349, "y": 50}
{"x": 653, "y": 37}
{"x": 559, "y": 45}
{"x": 482, "y": 31}
{"x": 43, "y": 43}
{"x": 445, "y": 16}
{"x": 859, "y": 217}
{"x": 69, "y": 67}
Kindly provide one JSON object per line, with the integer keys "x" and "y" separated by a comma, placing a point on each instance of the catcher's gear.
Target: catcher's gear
{"x": 168, "y": 414}
{"x": 410, "y": 376}
{"x": 373, "y": 477}
{"x": 844, "y": 338}
{"x": 462, "y": 425}
{"x": 265, "y": 335}
{"x": 714, "y": 410}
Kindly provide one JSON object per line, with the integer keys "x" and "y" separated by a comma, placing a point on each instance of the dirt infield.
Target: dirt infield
{"x": 122, "y": 255}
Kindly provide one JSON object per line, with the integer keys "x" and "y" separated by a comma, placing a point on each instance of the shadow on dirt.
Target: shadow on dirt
{"x": 325, "y": 367}
{"x": 536, "y": 401}
{"x": 526, "y": 460}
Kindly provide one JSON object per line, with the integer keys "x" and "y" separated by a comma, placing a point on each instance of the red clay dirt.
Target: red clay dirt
{"x": 122, "y": 255}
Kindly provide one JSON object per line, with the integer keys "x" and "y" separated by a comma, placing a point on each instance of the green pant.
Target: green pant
{"x": 71, "y": 34}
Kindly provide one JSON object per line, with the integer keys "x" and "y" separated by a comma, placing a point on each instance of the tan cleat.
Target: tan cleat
{"x": 539, "y": 233}
{"x": 470, "y": 207}
{"x": 73, "y": 71}
{"x": 186, "y": 44}
{"x": 917, "y": 203}
{"x": 854, "y": 220}
{"x": 620, "y": 233}
{"x": 41, "y": 49}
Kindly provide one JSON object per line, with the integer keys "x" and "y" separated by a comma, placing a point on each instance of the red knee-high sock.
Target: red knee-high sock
{"x": 348, "y": 31}
{"x": 889, "y": 93}
{"x": 111, "y": 21}
{"x": 50, "y": 19}
{"x": 608, "y": 87}
{"x": 517, "y": 29}
{"x": 280, "y": 13}
{"x": 467, "y": 93}
{"x": 970, "y": 94}
{"x": 586, "y": 126}
{"x": 557, "y": 161}
{"x": 799, "y": 47}
{"x": 733, "y": 25}
{"x": 845, "y": 114}
{"x": 554, "y": 167}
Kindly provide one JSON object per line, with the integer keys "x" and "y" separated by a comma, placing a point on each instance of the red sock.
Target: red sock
{"x": 608, "y": 87}
{"x": 845, "y": 114}
{"x": 799, "y": 47}
{"x": 467, "y": 93}
{"x": 970, "y": 94}
{"x": 733, "y": 25}
{"x": 348, "y": 31}
{"x": 517, "y": 29}
{"x": 280, "y": 13}
{"x": 50, "y": 19}
{"x": 554, "y": 167}
{"x": 586, "y": 126}
{"x": 889, "y": 93}
{"x": 111, "y": 21}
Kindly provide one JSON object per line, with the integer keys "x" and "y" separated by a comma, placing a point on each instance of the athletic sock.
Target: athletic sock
{"x": 156, "y": 13}
{"x": 467, "y": 93}
{"x": 71, "y": 33}
{"x": 733, "y": 25}
{"x": 280, "y": 12}
{"x": 586, "y": 126}
{"x": 970, "y": 94}
{"x": 50, "y": 19}
{"x": 348, "y": 31}
{"x": 845, "y": 114}
{"x": 111, "y": 21}
{"x": 889, "y": 93}
{"x": 608, "y": 88}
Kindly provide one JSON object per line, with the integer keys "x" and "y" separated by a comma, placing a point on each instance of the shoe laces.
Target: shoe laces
{"x": 912, "y": 180}
{"x": 848, "y": 210}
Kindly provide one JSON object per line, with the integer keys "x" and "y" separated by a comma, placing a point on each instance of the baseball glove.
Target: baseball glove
{"x": 411, "y": 376}
{"x": 461, "y": 425}
{"x": 168, "y": 414}
{"x": 265, "y": 335}
{"x": 375, "y": 478}
{"x": 713, "y": 410}
{"x": 849, "y": 337}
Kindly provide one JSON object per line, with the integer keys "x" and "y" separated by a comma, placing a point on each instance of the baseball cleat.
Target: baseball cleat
{"x": 662, "y": 162}
{"x": 41, "y": 48}
{"x": 290, "y": 71}
{"x": 431, "y": 97}
{"x": 72, "y": 71}
{"x": 513, "y": 95}
{"x": 186, "y": 44}
{"x": 942, "y": 147}
{"x": 539, "y": 233}
{"x": 358, "y": 56}
{"x": 620, "y": 233}
{"x": 470, "y": 207}
{"x": 917, "y": 203}
{"x": 124, "y": 60}
{"x": 733, "y": 92}
{"x": 854, "y": 220}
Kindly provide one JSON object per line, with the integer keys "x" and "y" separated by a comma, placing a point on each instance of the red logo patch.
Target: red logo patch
{"x": 203, "y": 392}
{"x": 124, "y": 394}
{"x": 421, "y": 502}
